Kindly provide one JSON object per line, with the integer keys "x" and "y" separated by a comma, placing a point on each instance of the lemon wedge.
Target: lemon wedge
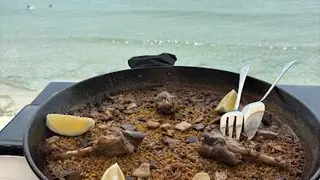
{"x": 68, "y": 125}
{"x": 113, "y": 173}
{"x": 227, "y": 103}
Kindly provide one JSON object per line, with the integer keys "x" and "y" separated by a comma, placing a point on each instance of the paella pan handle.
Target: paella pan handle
{"x": 163, "y": 59}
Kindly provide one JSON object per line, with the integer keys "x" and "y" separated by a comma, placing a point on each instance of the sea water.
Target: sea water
{"x": 77, "y": 39}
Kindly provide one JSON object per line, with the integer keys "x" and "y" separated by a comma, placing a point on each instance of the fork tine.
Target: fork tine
{"x": 239, "y": 123}
{"x": 223, "y": 123}
{"x": 230, "y": 125}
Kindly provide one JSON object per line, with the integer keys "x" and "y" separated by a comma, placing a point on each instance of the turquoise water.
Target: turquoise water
{"x": 76, "y": 39}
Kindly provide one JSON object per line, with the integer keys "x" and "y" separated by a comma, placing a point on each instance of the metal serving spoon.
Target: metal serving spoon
{"x": 253, "y": 112}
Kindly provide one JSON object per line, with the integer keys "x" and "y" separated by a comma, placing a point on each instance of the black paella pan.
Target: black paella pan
{"x": 301, "y": 119}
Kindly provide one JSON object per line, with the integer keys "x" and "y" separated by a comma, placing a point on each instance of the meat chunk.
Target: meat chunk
{"x": 166, "y": 103}
{"x": 117, "y": 144}
{"x": 230, "y": 151}
{"x": 214, "y": 146}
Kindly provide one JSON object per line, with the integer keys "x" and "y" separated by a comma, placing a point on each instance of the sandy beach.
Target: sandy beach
{"x": 12, "y": 100}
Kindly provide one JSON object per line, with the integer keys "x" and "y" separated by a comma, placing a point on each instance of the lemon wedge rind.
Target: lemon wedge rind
{"x": 114, "y": 172}
{"x": 69, "y": 125}
{"x": 227, "y": 103}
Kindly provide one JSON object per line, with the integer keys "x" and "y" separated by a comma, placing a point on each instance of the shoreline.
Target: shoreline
{"x": 12, "y": 100}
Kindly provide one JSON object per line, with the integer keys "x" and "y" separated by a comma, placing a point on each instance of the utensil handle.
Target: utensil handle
{"x": 283, "y": 71}
{"x": 243, "y": 75}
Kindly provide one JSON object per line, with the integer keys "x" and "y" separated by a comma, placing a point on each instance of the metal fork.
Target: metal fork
{"x": 235, "y": 115}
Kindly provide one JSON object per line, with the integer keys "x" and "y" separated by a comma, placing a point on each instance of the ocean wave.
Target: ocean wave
{"x": 172, "y": 42}
{"x": 206, "y": 13}
{"x": 17, "y": 82}
{"x": 185, "y": 12}
{"x": 12, "y": 99}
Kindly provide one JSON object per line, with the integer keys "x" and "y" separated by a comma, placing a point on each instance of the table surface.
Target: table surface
{"x": 11, "y": 136}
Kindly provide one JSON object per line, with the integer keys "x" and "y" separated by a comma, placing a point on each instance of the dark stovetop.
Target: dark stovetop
{"x": 11, "y": 136}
